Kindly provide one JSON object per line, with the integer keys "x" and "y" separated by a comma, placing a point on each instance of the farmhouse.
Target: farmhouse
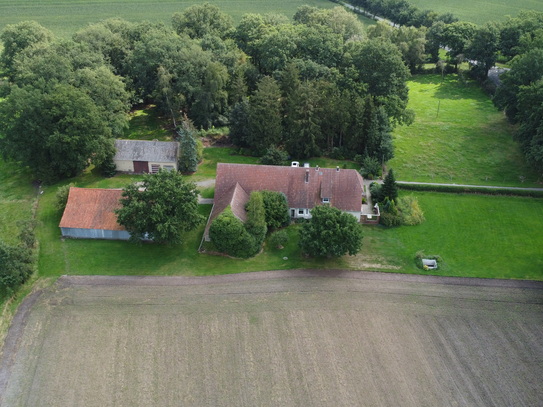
{"x": 89, "y": 214}
{"x": 142, "y": 156}
{"x": 303, "y": 187}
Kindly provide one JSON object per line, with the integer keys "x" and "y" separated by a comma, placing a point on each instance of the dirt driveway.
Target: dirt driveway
{"x": 284, "y": 338}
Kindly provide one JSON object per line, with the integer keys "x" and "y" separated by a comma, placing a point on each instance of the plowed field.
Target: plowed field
{"x": 277, "y": 339}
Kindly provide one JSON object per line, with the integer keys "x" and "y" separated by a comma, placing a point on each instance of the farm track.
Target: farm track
{"x": 287, "y": 338}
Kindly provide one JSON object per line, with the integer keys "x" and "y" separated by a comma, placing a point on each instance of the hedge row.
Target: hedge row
{"x": 471, "y": 190}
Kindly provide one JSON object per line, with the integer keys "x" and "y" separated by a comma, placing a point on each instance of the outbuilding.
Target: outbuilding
{"x": 142, "y": 156}
{"x": 90, "y": 214}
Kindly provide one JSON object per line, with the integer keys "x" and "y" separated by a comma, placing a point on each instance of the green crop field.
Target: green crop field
{"x": 458, "y": 137}
{"x": 65, "y": 17}
{"x": 480, "y": 11}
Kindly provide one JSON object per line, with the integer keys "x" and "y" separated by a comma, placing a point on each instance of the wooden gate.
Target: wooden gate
{"x": 141, "y": 167}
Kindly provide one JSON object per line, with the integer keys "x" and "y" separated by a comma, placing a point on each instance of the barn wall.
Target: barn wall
{"x": 162, "y": 164}
{"x": 124, "y": 166}
{"x": 95, "y": 234}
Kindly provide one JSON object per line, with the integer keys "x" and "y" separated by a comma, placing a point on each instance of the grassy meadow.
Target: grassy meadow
{"x": 458, "y": 137}
{"x": 65, "y": 17}
{"x": 480, "y": 11}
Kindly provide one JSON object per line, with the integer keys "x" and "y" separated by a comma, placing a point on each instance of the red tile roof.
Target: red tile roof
{"x": 303, "y": 187}
{"x": 92, "y": 208}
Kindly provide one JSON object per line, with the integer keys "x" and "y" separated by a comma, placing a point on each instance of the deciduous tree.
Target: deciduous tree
{"x": 18, "y": 37}
{"x": 203, "y": 19}
{"x": 161, "y": 208}
{"x": 57, "y": 132}
{"x": 330, "y": 233}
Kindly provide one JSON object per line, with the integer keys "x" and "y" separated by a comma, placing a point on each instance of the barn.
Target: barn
{"x": 142, "y": 156}
{"x": 90, "y": 214}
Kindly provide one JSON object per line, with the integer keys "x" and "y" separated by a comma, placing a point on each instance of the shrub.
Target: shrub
{"x": 278, "y": 239}
{"x": 61, "y": 197}
{"x": 256, "y": 218}
{"x": 108, "y": 167}
{"x": 410, "y": 211}
{"x": 389, "y": 219}
{"x": 274, "y": 156}
{"x": 376, "y": 192}
{"x": 420, "y": 255}
{"x": 276, "y": 207}
{"x": 229, "y": 236}
{"x": 370, "y": 167}
{"x": 471, "y": 190}
{"x": 27, "y": 235}
{"x": 17, "y": 266}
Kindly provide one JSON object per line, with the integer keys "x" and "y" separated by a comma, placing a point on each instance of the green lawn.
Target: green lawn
{"x": 458, "y": 137}
{"x": 480, "y": 11}
{"x": 65, "y": 17}
{"x": 147, "y": 124}
{"x": 476, "y": 235}
{"x": 16, "y": 197}
{"x": 70, "y": 256}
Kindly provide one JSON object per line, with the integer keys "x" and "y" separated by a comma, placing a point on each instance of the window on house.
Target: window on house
{"x": 155, "y": 168}
{"x": 300, "y": 211}
{"x": 325, "y": 200}
{"x": 168, "y": 167}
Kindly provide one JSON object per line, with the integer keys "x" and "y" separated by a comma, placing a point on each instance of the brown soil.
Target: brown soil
{"x": 284, "y": 338}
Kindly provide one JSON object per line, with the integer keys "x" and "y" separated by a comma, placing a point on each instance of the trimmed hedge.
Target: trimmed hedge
{"x": 470, "y": 190}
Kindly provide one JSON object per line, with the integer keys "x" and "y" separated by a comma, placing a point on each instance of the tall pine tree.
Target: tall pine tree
{"x": 265, "y": 116}
{"x": 188, "y": 157}
{"x": 390, "y": 189}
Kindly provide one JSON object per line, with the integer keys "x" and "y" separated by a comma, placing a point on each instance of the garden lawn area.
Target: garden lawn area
{"x": 146, "y": 124}
{"x": 479, "y": 11}
{"x": 476, "y": 235}
{"x": 102, "y": 257}
{"x": 65, "y": 17}
{"x": 468, "y": 141}
{"x": 16, "y": 198}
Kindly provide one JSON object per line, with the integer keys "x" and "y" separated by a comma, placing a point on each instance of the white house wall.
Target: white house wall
{"x": 307, "y": 213}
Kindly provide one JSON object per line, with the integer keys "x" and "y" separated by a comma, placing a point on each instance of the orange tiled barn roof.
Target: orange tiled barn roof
{"x": 92, "y": 208}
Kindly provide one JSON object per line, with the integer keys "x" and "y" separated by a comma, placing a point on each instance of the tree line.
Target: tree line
{"x": 319, "y": 84}
{"x": 310, "y": 86}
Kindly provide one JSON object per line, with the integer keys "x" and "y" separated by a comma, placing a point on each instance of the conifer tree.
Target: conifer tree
{"x": 390, "y": 189}
{"x": 188, "y": 158}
